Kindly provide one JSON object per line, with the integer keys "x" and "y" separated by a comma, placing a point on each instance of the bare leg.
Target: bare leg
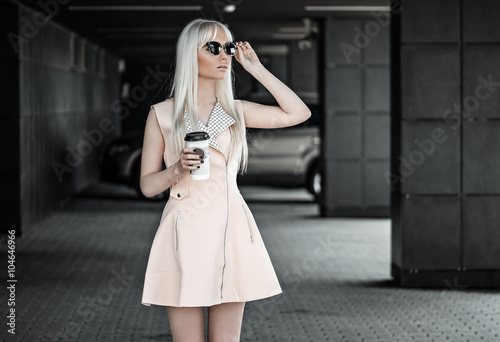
{"x": 224, "y": 322}
{"x": 186, "y": 324}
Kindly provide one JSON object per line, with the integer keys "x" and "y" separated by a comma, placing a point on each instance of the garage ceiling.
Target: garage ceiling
{"x": 146, "y": 31}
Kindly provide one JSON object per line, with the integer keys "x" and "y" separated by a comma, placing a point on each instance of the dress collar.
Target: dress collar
{"x": 218, "y": 121}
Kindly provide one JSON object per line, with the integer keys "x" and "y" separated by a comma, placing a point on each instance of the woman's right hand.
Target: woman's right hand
{"x": 189, "y": 160}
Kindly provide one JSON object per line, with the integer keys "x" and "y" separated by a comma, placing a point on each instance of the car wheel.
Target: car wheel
{"x": 314, "y": 181}
{"x": 137, "y": 185}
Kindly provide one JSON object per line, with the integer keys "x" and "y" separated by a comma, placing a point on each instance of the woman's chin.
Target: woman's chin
{"x": 219, "y": 75}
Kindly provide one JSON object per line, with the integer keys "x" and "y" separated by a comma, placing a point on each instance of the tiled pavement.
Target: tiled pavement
{"x": 80, "y": 274}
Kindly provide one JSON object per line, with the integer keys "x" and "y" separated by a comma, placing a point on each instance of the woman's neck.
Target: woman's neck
{"x": 206, "y": 91}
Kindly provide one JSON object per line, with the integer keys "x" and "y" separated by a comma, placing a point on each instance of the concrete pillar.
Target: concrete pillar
{"x": 445, "y": 162}
{"x": 356, "y": 128}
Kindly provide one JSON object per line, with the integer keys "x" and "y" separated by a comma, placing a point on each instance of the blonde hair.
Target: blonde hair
{"x": 185, "y": 85}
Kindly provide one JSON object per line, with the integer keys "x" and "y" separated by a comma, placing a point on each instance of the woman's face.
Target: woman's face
{"x": 209, "y": 65}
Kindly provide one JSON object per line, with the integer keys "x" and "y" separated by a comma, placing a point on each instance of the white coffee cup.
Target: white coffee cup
{"x": 201, "y": 141}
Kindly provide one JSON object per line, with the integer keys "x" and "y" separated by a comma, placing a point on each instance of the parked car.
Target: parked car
{"x": 284, "y": 157}
{"x": 120, "y": 162}
{"x": 280, "y": 157}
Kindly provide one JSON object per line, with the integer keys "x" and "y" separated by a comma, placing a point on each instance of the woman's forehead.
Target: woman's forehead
{"x": 220, "y": 36}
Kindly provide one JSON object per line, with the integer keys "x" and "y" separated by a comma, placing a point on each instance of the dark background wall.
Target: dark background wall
{"x": 304, "y": 69}
{"x": 446, "y": 143}
{"x": 65, "y": 114}
{"x": 147, "y": 84}
{"x": 10, "y": 213}
{"x": 356, "y": 137}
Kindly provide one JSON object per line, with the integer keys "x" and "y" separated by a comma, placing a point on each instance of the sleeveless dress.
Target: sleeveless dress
{"x": 207, "y": 249}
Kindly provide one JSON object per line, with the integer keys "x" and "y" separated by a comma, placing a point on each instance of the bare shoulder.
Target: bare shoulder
{"x": 164, "y": 111}
{"x": 165, "y": 105}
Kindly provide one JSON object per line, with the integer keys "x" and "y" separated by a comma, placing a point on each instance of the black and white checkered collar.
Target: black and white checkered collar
{"x": 218, "y": 121}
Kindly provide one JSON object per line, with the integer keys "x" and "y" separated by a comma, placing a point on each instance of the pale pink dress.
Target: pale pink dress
{"x": 207, "y": 249}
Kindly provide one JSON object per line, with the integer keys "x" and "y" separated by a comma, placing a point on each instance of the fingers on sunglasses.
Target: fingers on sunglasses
{"x": 215, "y": 48}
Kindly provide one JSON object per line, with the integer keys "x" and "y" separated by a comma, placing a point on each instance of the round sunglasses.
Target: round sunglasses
{"x": 215, "y": 48}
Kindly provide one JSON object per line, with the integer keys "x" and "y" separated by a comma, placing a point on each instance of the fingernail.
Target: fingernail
{"x": 201, "y": 157}
{"x": 194, "y": 150}
{"x": 198, "y": 166}
{"x": 202, "y": 161}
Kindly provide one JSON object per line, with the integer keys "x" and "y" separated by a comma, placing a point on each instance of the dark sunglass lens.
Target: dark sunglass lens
{"x": 214, "y": 47}
{"x": 230, "y": 49}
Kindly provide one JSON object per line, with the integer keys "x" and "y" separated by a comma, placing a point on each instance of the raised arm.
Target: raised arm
{"x": 291, "y": 110}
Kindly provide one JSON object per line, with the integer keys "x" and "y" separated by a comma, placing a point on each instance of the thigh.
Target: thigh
{"x": 224, "y": 322}
{"x": 186, "y": 323}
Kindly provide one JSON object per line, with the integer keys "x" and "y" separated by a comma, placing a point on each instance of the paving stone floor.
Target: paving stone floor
{"x": 80, "y": 273}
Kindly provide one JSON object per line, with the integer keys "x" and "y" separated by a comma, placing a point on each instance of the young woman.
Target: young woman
{"x": 207, "y": 251}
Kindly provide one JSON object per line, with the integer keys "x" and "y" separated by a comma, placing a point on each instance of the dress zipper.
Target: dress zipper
{"x": 177, "y": 231}
{"x": 227, "y": 218}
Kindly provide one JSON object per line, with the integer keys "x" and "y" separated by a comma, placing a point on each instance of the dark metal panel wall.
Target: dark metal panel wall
{"x": 10, "y": 214}
{"x": 445, "y": 164}
{"x": 62, "y": 105}
{"x": 356, "y": 140}
{"x": 303, "y": 61}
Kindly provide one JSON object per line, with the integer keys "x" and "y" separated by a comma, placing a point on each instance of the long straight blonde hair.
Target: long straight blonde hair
{"x": 185, "y": 87}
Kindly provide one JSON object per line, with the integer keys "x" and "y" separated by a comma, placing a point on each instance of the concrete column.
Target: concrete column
{"x": 445, "y": 162}
{"x": 356, "y": 128}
